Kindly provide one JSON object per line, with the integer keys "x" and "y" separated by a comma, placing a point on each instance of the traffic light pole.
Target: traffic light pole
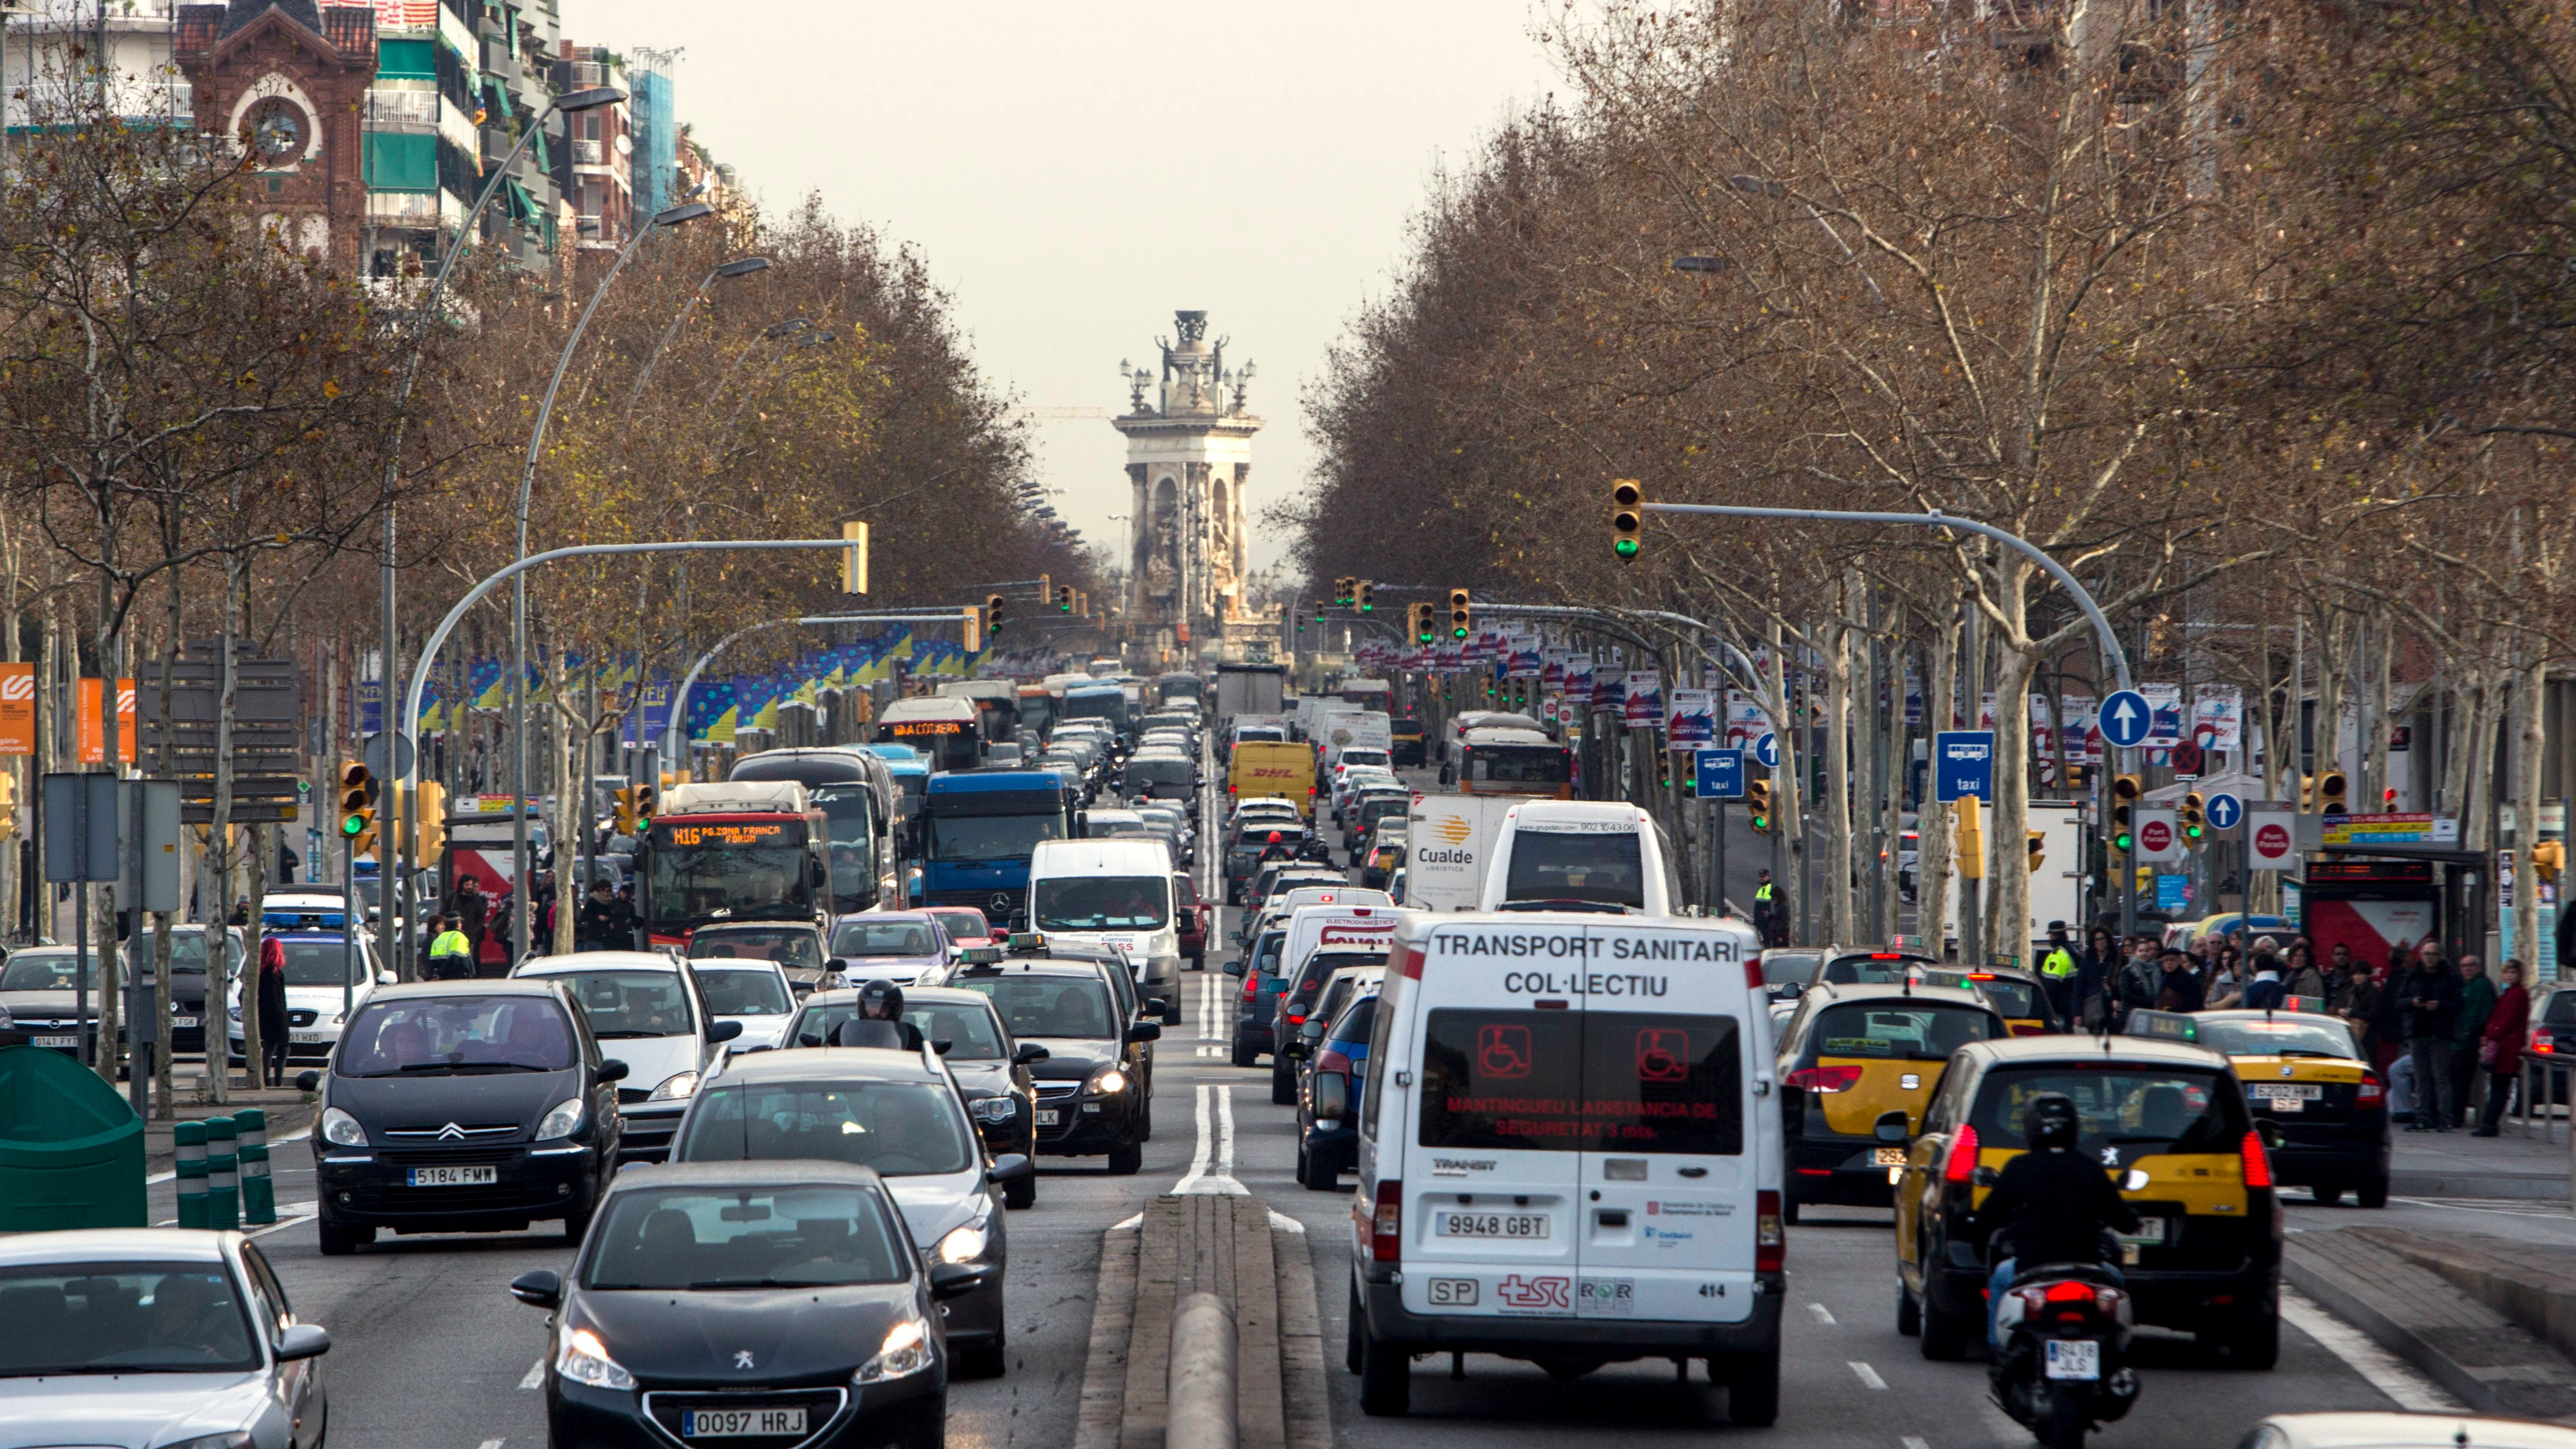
{"x": 673, "y": 728}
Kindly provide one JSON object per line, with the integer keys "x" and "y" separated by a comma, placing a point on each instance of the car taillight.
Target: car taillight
{"x": 1386, "y": 1224}
{"x": 2370, "y": 1093}
{"x": 2258, "y": 1163}
{"x": 2544, "y": 1043}
{"x": 1825, "y": 1079}
{"x": 1753, "y": 975}
{"x": 1251, "y": 987}
{"x": 2025, "y": 1028}
{"x": 1961, "y": 1164}
{"x": 1770, "y": 1240}
{"x": 1295, "y": 1020}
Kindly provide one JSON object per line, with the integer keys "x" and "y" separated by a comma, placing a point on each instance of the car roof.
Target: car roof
{"x": 751, "y": 1171}
{"x": 528, "y": 985}
{"x": 918, "y": 918}
{"x": 596, "y": 961}
{"x": 2086, "y": 1050}
{"x": 953, "y": 995}
{"x": 1033, "y": 966}
{"x": 2371, "y": 1429}
{"x": 833, "y": 1063}
{"x": 704, "y": 964}
{"x": 720, "y": 927}
{"x": 189, "y": 1245}
{"x": 1947, "y": 995}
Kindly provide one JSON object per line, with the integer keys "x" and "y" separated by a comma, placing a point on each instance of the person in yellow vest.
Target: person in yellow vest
{"x": 451, "y": 954}
{"x": 2057, "y": 974}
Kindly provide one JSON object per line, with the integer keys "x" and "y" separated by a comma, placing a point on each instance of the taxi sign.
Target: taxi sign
{"x": 2162, "y": 1025}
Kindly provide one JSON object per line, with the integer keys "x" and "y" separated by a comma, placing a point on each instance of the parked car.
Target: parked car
{"x": 188, "y": 977}
{"x": 40, "y": 993}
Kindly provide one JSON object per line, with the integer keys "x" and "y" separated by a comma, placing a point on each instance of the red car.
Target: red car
{"x": 964, "y": 925}
{"x": 1195, "y": 918}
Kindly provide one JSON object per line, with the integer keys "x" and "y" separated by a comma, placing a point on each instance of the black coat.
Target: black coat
{"x": 2435, "y": 982}
{"x": 2055, "y": 1205}
{"x": 272, "y": 1008}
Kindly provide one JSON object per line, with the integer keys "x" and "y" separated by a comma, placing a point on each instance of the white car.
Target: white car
{"x": 644, "y": 1008}
{"x": 752, "y": 992}
{"x": 322, "y": 987}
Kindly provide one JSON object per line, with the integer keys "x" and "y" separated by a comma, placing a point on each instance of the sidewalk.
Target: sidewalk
{"x": 289, "y": 1112}
{"x": 2491, "y": 1321}
{"x": 2455, "y": 1164}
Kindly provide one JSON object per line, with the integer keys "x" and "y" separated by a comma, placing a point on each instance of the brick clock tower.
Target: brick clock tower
{"x": 287, "y": 81}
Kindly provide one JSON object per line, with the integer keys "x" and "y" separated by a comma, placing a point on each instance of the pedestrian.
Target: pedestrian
{"x": 595, "y": 928}
{"x": 2357, "y": 1000}
{"x": 2430, "y": 997}
{"x": 1764, "y": 906}
{"x": 2300, "y": 976}
{"x": 2057, "y": 974}
{"x": 2180, "y": 988}
{"x": 2500, "y": 1048}
{"x": 2263, "y": 989}
{"x": 2391, "y": 1025}
{"x": 285, "y": 863}
{"x": 451, "y": 951}
{"x": 470, "y": 912}
{"x": 270, "y": 1070}
{"x": 2227, "y": 978}
{"x": 241, "y": 913}
{"x": 2095, "y": 989}
{"x": 2468, "y": 1037}
{"x": 2140, "y": 980}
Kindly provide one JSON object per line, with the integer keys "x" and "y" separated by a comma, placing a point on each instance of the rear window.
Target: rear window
{"x": 1321, "y": 966}
{"x": 2561, "y": 1009}
{"x": 1874, "y": 970}
{"x": 2280, "y": 1037}
{"x": 1918, "y": 1032}
{"x": 1594, "y": 1081}
{"x": 1780, "y": 968}
{"x": 1550, "y": 865}
{"x": 2011, "y": 998}
{"x": 1354, "y": 1026}
{"x": 2128, "y": 1111}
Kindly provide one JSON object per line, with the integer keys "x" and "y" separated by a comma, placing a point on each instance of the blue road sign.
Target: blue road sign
{"x": 1767, "y": 750}
{"x": 2126, "y": 718}
{"x": 1963, "y": 764}
{"x": 2224, "y": 811}
{"x": 1719, "y": 774}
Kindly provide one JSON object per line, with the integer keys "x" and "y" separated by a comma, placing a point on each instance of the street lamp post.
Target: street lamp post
{"x": 522, "y": 878}
{"x": 389, "y": 938}
{"x": 742, "y": 267}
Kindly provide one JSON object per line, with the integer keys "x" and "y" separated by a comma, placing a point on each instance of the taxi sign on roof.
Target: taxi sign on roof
{"x": 2166, "y": 1025}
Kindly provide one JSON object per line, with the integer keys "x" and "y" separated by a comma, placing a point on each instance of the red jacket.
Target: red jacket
{"x": 2508, "y": 1026}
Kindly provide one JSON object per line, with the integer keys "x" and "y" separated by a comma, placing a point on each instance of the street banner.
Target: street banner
{"x": 1644, "y": 706}
{"x": 1691, "y": 722}
{"x": 2402, "y": 829}
{"x": 2081, "y": 717}
{"x": 2271, "y": 835}
{"x": 1526, "y": 662}
{"x": 1551, "y": 669}
{"x": 17, "y": 709}
{"x": 1551, "y": 710}
{"x": 1578, "y": 681}
{"x": 1609, "y": 687}
{"x": 2218, "y": 718}
{"x": 93, "y": 741}
{"x": 2164, "y": 730}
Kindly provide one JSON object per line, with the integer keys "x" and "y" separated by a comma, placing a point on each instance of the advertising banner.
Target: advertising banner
{"x": 93, "y": 742}
{"x": 2218, "y": 718}
{"x": 1609, "y": 687}
{"x": 2164, "y": 731}
{"x": 1578, "y": 681}
{"x": 1645, "y": 701}
{"x": 2365, "y": 830}
{"x": 17, "y": 709}
{"x": 1692, "y": 721}
{"x": 1526, "y": 661}
{"x": 1745, "y": 721}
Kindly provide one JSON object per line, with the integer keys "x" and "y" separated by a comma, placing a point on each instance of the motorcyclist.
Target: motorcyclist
{"x": 1276, "y": 848}
{"x": 880, "y": 1021}
{"x": 2050, "y": 1204}
{"x": 1313, "y": 848}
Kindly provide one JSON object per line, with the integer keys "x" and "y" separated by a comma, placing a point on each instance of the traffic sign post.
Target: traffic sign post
{"x": 1718, "y": 774}
{"x": 1767, "y": 750}
{"x": 2159, "y": 835}
{"x": 2271, "y": 835}
{"x": 2126, "y": 718}
{"x": 1963, "y": 765}
{"x": 2225, "y": 812}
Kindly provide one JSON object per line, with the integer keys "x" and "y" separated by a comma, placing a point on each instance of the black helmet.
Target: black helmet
{"x": 2050, "y": 1124}
{"x": 881, "y": 1001}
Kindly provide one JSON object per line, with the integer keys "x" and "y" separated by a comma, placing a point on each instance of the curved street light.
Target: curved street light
{"x": 725, "y": 272}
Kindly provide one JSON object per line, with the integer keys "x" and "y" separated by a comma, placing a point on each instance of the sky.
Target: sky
{"x": 1076, "y": 173}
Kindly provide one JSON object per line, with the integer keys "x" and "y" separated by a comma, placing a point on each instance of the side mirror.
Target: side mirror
{"x": 1296, "y": 1049}
{"x": 308, "y": 1081}
{"x": 1985, "y": 1177}
{"x": 1332, "y": 1097}
{"x": 1029, "y": 1052}
{"x": 723, "y": 1031}
{"x": 1891, "y": 1127}
{"x": 385, "y": 978}
{"x": 838, "y": 966}
{"x": 538, "y": 1288}
{"x": 1235, "y": 966}
{"x": 612, "y": 1070}
{"x": 1145, "y": 1031}
{"x": 2270, "y": 1132}
{"x": 1169, "y": 1012}
{"x": 1234, "y": 938}
{"x": 1011, "y": 1167}
{"x": 947, "y": 1280}
{"x": 303, "y": 1340}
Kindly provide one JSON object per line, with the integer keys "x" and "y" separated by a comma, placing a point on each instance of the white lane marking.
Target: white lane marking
{"x": 1211, "y": 1003}
{"x": 2378, "y": 1368}
{"x": 1282, "y": 1222}
{"x": 1867, "y": 1374}
{"x": 491, "y": 1444}
{"x": 1911, "y": 1442}
{"x": 1212, "y": 1158}
{"x": 1823, "y": 1314}
{"x": 1128, "y": 1225}
{"x": 535, "y": 1378}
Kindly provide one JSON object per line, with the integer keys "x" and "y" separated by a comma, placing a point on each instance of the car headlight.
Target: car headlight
{"x": 562, "y": 1121}
{"x": 6, "y": 1020}
{"x": 963, "y": 1245}
{"x": 231, "y": 1439}
{"x": 906, "y": 1350}
{"x": 996, "y": 1110}
{"x": 233, "y": 1011}
{"x": 583, "y": 1359}
{"x": 342, "y": 1130}
{"x": 1109, "y": 1082}
{"x": 677, "y": 1087}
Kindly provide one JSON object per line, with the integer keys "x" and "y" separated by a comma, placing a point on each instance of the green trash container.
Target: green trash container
{"x": 71, "y": 1149}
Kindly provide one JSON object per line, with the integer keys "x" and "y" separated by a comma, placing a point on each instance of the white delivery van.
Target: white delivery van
{"x": 1114, "y": 892}
{"x": 1343, "y": 728}
{"x": 2056, "y": 888}
{"x": 1580, "y": 854}
{"x": 1447, "y": 841}
{"x": 1569, "y": 1152}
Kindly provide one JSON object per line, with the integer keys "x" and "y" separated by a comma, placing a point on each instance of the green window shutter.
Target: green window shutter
{"x": 523, "y": 207}
{"x": 406, "y": 60}
{"x": 402, "y": 161}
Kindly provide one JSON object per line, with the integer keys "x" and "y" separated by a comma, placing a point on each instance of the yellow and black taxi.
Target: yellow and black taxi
{"x": 2016, "y": 996}
{"x": 1853, "y": 1058}
{"x": 2168, "y": 1120}
{"x": 2305, "y": 1074}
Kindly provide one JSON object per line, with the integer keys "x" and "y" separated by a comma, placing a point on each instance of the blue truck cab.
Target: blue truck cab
{"x": 978, "y": 831}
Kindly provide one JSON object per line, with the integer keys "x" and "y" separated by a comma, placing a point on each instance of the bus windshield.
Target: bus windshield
{"x": 1521, "y": 765}
{"x": 732, "y": 870}
{"x": 991, "y": 837}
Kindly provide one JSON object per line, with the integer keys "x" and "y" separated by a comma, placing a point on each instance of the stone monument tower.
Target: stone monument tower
{"x": 1189, "y": 455}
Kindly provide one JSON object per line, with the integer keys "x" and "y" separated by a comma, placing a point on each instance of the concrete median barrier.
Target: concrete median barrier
{"x": 1201, "y": 1397}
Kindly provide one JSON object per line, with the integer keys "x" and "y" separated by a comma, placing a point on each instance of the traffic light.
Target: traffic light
{"x": 1064, "y": 598}
{"x": 1365, "y": 596}
{"x": 357, "y": 807}
{"x": 1421, "y": 623}
{"x": 994, "y": 608}
{"x": 1046, "y": 591}
{"x": 854, "y": 558}
{"x": 1757, "y": 803}
{"x": 2038, "y": 850}
{"x": 1342, "y": 591}
{"x": 2125, "y": 790}
{"x": 429, "y": 819}
{"x": 973, "y": 627}
{"x": 1627, "y": 519}
{"x": 624, "y": 821}
{"x": 2194, "y": 822}
{"x": 1460, "y": 621}
{"x": 2331, "y": 788}
{"x": 1301, "y": 618}
{"x": 8, "y": 804}
{"x": 1968, "y": 838}
{"x": 646, "y": 802}
{"x": 2548, "y": 858}
{"x": 2307, "y": 794}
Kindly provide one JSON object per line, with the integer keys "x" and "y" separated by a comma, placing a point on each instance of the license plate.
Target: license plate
{"x": 451, "y": 1176}
{"x": 2074, "y": 1358}
{"x": 737, "y": 1423}
{"x": 1049, "y": 1116}
{"x": 2285, "y": 1096}
{"x": 1489, "y": 1225}
{"x": 2150, "y": 1233}
{"x": 59, "y": 1043}
{"x": 308, "y": 1038}
{"x": 183, "y": 1021}
{"x": 1887, "y": 1156}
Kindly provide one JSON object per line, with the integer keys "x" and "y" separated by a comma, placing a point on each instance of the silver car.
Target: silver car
{"x": 40, "y": 994}
{"x": 153, "y": 1338}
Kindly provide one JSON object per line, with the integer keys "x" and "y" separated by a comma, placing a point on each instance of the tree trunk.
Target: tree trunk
{"x": 2531, "y": 683}
{"x": 1792, "y": 877}
{"x": 1837, "y": 889}
{"x": 163, "y": 1109}
{"x": 1932, "y": 817}
{"x": 2007, "y": 875}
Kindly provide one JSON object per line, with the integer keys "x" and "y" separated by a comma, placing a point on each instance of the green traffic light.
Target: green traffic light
{"x": 353, "y": 825}
{"x": 1457, "y": 633}
{"x": 2120, "y": 842}
{"x": 1625, "y": 548}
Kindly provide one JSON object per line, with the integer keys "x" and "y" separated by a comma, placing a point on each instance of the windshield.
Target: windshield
{"x": 122, "y": 1318}
{"x": 883, "y": 938}
{"x": 188, "y": 951}
{"x": 1102, "y": 903}
{"x": 964, "y": 923}
{"x": 710, "y": 877}
{"x": 45, "y": 971}
{"x": 456, "y": 1034}
{"x": 2142, "y": 1109}
{"x": 1158, "y": 772}
{"x": 2012, "y": 998}
{"x": 1059, "y": 1006}
{"x": 2278, "y": 1038}
{"x": 1519, "y": 764}
{"x": 1923, "y": 1031}
{"x": 781, "y": 1237}
{"x": 902, "y": 1129}
{"x": 744, "y": 992}
{"x": 966, "y": 838}
{"x": 1550, "y": 865}
{"x": 632, "y": 1003}
{"x": 968, "y": 1030}
{"x": 849, "y": 822}
{"x": 789, "y": 946}
{"x": 322, "y": 963}
{"x": 1353, "y": 759}
{"x": 1781, "y": 967}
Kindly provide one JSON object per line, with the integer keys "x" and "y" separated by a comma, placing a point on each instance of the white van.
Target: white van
{"x": 1115, "y": 892}
{"x": 1580, "y": 854}
{"x": 1569, "y": 1152}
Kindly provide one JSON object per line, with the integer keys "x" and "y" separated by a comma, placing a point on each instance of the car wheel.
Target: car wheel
{"x": 986, "y": 1361}
{"x": 1351, "y": 1351}
{"x": 1947, "y": 1336}
{"x": 1244, "y": 1055}
{"x": 577, "y": 1224}
{"x": 1386, "y": 1376}
{"x": 1020, "y": 1192}
{"x": 2326, "y": 1196}
{"x": 2372, "y": 1194}
{"x": 1753, "y": 1390}
{"x": 1126, "y": 1161}
{"x": 1145, "y": 1119}
{"x": 1909, "y": 1312}
{"x": 1789, "y": 1209}
{"x": 339, "y": 1240}
{"x": 2256, "y": 1345}
{"x": 1283, "y": 1085}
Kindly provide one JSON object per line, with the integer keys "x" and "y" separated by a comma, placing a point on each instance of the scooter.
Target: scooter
{"x": 2063, "y": 1368}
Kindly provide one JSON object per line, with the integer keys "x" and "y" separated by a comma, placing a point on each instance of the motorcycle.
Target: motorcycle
{"x": 2063, "y": 1365}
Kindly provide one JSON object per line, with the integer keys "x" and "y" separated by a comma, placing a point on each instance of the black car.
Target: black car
{"x": 1254, "y": 1004}
{"x": 768, "y": 1304}
{"x": 463, "y": 1107}
{"x": 990, "y": 1069}
{"x": 1297, "y": 1001}
{"x": 1095, "y": 1084}
{"x": 188, "y": 977}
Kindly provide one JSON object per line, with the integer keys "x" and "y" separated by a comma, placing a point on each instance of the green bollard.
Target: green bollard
{"x": 258, "y": 1190}
{"x": 190, "y": 1139}
{"x": 223, "y": 1175}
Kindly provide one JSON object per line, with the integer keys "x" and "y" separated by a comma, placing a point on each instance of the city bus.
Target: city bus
{"x": 864, "y": 809}
{"x": 1506, "y": 761}
{"x": 948, "y": 732}
{"x": 735, "y": 851}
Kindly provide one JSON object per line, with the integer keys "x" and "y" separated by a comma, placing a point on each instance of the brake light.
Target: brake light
{"x": 2543, "y": 1042}
{"x": 1386, "y": 1224}
{"x": 2069, "y": 1291}
{"x": 1825, "y": 1079}
{"x": 1296, "y": 1020}
{"x": 1961, "y": 1164}
{"x": 1981, "y": 976}
{"x": 2258, "y": 1163}
{"x": 1251, "y": 986}
{"x": 2370, "y": 1093}
{"x": 2025, "y": 1028}
{"x": 1753, "y": 975}
{"x": 1770, "y": 1240}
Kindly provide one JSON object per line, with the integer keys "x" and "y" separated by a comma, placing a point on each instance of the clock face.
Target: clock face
{"x": 277, "y": 131}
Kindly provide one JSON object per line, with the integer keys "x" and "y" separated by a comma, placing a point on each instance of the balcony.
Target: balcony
{"x": 402, "y": 108}
{"x": 587, "y": 153}
{"x": 402, "y": 208}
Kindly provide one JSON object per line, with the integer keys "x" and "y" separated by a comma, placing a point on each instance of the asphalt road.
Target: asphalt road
{"x": 431, "y": 1353}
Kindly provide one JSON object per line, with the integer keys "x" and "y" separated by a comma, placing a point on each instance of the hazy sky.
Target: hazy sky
{"x": 1074, "y": 173}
